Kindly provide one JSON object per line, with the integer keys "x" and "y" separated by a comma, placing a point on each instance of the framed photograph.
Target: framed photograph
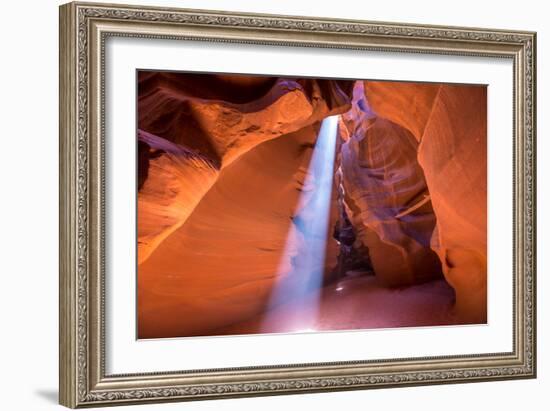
{"x": 259, "y": 204}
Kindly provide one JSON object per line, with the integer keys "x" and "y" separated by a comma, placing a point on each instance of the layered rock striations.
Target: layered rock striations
{"x": 214, "y": 120}
{"x": 222, "y": 166}
{"x": 386, "y": 196}
{"x": 171, "y": 181}
{"x": 218, "y": 203}
{"x": 221, "y": 265}
{"x": 450, "y": 123}
{"x": 453, "y": 154}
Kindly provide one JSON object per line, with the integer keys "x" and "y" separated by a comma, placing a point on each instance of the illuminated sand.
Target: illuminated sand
{"x": 357, "y": 303}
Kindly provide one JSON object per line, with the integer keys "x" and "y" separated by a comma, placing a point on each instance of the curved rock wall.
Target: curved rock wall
{"x": 224, "y": 260}
{"x": 222, "y": 164}
{"x": 172, "y": 180}
{"x": 453, "y": 154}
{"x": 406, "y": 104}
{"x": 450, "y": 122}
{"x": 215, "y": 120}
{"x": 387, "y": 197}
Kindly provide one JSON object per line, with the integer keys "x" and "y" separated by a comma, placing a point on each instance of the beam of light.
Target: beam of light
{"x": 302, "y": 266}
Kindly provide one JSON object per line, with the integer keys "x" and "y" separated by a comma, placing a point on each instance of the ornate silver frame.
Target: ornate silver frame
{"x": 83, "y": 30}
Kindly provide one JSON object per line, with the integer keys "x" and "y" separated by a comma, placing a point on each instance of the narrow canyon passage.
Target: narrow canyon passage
{"x": 297, "y": 205}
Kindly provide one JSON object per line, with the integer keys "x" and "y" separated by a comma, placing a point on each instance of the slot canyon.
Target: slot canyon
{"x": 279, "y": 204}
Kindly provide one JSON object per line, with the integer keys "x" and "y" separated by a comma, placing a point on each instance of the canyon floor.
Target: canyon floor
{"x": 356, "y": 303}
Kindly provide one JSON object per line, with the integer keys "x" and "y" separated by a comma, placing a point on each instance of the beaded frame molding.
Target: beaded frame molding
{"x": 84, "y": 27}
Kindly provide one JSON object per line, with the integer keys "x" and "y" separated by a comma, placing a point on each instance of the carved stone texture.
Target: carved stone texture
{"x": 453, "y": 154}
{"x": 209, "y": 122}
{"x": 406, "y": 104}
{"x": 450, "y": 122}
{"x": 173, "y": 180}
{"x": 382, "y": 179}
{"x": 231, "y": 249}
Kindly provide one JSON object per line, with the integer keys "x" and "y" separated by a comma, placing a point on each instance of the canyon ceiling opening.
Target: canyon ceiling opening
{"x": 282, "y": 205}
